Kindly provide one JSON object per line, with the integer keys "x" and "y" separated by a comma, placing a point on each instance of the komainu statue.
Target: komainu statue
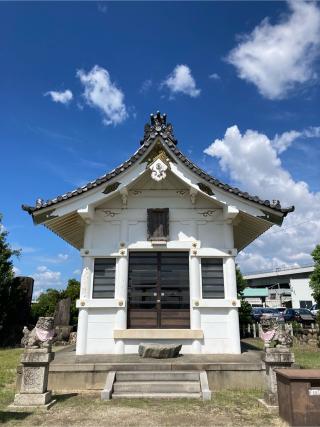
{"x": 273, "y": 331}
{"x": 40, "y": 336}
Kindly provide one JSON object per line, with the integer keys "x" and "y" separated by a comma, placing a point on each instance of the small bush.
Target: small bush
{"x": 245, "y": 313}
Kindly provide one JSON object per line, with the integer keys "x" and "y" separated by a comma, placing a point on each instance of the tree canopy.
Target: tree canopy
{"x": 10, "y": 294}
{"x": 48, "y": 300}
{"x": 241, "y": 281}
{"x": 315, "y": 276}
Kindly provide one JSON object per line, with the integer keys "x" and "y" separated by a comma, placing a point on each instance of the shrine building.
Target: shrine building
{"x": 158, "y": 238}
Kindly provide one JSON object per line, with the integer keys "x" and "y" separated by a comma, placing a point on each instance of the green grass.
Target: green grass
{"x": 306, "y": 357}
{"x": 227, "y": 408}
{"x": 9, "y": 359}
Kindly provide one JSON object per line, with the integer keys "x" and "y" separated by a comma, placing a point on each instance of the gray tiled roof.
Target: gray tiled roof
{"x": 158, "y": 127}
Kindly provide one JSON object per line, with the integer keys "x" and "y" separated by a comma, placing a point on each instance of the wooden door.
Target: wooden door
{"x": 158, "y": 290}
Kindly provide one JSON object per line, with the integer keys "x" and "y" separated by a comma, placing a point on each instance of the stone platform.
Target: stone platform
{"x": 71, "y": 373}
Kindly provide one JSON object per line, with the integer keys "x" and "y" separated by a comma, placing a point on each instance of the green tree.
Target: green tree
{"x": 46, "y": 304}
{"x": 315, "y": 276}
{"x": 48, "y": 300}
{"x": 245, "y": 308}
{"x": 245, "y": 313}
{"x": 9, "y": 295}
{"x": 241, "y": 281}
{"x": 73, "y": 291}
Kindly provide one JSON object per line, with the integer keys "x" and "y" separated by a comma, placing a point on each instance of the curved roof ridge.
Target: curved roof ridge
{"x": 157, "y": 128}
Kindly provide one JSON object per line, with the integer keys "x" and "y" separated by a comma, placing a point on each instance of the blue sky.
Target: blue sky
{"x": 217, "y": 69}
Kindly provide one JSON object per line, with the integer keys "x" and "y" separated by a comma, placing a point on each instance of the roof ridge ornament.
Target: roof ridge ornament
{"x": 158, "y": 126}
{"x": 158, "y": 170}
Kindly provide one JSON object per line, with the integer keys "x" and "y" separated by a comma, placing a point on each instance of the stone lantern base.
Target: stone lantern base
{"x": 275, "y": 358}
{"x": 35, "y": 370}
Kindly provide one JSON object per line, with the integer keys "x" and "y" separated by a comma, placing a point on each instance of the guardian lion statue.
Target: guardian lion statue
{"x": 40, "y": 336}
{"x": 272, "y": 331}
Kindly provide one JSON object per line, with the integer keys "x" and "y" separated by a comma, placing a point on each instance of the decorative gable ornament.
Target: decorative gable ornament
{"x": 158, "y": 170}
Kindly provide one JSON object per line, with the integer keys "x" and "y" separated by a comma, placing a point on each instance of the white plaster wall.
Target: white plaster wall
{"x": 101, "y": 323}
{"x": 301, "y": 291}
{"x": 202, "y": 222}
{"x": 218, "y": 337}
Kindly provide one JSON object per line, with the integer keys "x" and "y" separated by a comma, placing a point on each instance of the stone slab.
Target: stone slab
{"x": 31, "y": 408}
{"x": 36, "y": 357}
{"x": 271, "y": 408}
{"x": 205, "y": 390}
{"x": 159, "y": 351}
{"x": 108, "y": 388}
{"x": 32, "y": 399}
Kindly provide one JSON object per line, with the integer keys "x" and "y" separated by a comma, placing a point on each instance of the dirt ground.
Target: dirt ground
{"x": 229, "y": 408}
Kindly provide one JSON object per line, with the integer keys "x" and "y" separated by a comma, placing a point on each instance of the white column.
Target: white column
{"x": 85, "y": 293}
{"x": 229, "y": 269}
{"x": 195, "y": 295}
{"x": 231, "y": 294}
{"x": 86, "y": 277}
{"x": 82, "y": 331}
{"x": 121, "y": 294}
{"x": 228, "y": 234}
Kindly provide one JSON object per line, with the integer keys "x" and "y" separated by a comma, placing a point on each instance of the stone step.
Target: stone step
{"x": 157, "y": 387}
{"x": 124, "y": 395}
{"x": 157, "y": 376}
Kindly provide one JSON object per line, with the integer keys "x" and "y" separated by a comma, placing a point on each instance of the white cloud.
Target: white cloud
{"x": 62, "y": 97}
{"x": 58, "y": 259}
{"x": 214, "y": 76}
{"x": 16, "y": 271}
{"x": 101, "y": 93}
{"x": 102, "y": 7}
{"x": 253, "y": 164}
{"x": 45, "y": 278}
{"x": 24, "y": 249}
{"x": 181, "y": 81}
{"x": 146, "y": 86}
{"x": 277, "y": 57}
{"x": 312, "y": 132}
{"x": 77, "y": 272}
{"x": 283, "y": 141}
{"x": 63, "y": 257}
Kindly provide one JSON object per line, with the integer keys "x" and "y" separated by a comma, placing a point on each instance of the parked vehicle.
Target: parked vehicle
{"x": 315, "y": 309}
{"x": 301, "y": 315}
{"x": 257, "y": 312}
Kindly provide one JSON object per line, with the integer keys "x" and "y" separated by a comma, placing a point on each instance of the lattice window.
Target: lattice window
{"x": 104, "y": 277}
{"x": 212, "y": 278}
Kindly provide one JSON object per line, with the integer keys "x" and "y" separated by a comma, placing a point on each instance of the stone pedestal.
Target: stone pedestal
{"x": 275, "y": 358}
{"x": 35, "y": 371}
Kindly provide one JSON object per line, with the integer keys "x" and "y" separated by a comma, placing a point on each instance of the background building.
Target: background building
{"x": 281, "y": 287}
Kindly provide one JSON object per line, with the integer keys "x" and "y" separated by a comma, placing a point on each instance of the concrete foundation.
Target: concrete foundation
{"x": 68, "y": 373}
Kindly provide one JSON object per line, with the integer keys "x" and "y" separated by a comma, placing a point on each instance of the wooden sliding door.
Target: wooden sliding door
{"x": 158, "y": 290}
